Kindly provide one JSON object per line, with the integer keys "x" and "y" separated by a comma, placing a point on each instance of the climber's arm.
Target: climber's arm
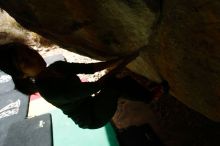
{"x": 126, "y": 60}
{"x": 90, "y": 68}
{"x": 77, "y": 68}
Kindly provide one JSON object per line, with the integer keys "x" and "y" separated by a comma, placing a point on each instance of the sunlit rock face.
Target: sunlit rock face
{"x": 179, "y": 39}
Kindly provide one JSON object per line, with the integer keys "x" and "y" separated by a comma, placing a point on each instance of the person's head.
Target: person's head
{"x": 27, "y": 60}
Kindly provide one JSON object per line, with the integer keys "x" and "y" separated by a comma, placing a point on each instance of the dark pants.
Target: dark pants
{"x": 95, "y": 112}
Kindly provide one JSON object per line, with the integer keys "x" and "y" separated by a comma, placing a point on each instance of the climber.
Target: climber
{"x": 88, "y": 104}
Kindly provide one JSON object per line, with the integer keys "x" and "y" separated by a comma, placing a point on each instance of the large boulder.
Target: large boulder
{"x": 179, "y": 40}
{"x": 185, "y": 51}
{"x": 93, "y": 28}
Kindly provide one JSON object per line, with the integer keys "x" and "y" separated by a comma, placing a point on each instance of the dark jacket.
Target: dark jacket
{"x": 60, "y": 85}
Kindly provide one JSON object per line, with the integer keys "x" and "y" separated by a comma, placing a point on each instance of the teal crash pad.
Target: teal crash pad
{"x": 67, "y": 133}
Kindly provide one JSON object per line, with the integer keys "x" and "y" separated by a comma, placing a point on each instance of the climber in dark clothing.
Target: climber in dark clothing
{"x": 65, "y": 90}
{"x": 89, "y": 104}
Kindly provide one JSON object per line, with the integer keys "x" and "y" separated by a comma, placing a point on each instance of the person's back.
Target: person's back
{"x": 58, "y": 87}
